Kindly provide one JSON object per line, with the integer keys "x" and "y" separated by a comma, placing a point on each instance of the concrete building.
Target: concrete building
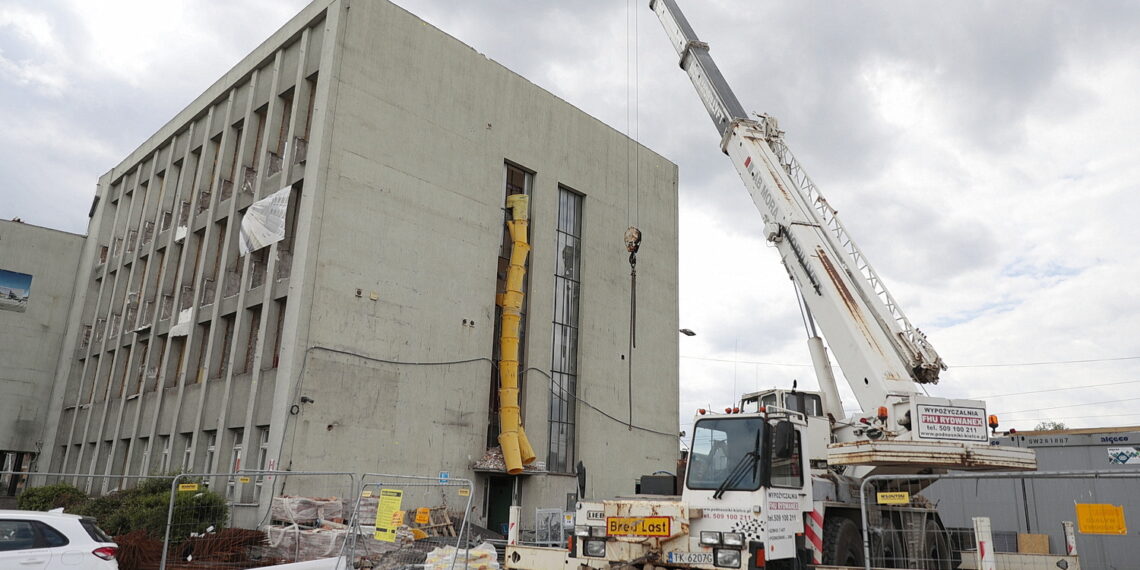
{"x": 37, "y": 283}
{"x": 367, "y": 158}
{"x": 1038, "y": 506}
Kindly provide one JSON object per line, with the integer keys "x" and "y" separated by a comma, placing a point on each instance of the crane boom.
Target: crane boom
{"x": 877, "y": 347}
{"x": 719, "y": 100}
{"x": 881, "y": 354}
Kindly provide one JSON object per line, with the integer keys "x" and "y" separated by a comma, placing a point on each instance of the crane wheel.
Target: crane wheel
{"x": 937, "y": 554}
{"x": 842, "y": 542}
{"x": 887, "y": 546}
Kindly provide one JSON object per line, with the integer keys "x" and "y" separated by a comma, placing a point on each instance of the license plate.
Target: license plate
{"x": 690, "y": 557}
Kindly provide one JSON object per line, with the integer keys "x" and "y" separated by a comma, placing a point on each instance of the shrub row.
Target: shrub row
{"x": 143, "y": 507}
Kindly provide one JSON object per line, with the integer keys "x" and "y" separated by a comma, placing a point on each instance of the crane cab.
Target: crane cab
{"x": 810, "y": 404}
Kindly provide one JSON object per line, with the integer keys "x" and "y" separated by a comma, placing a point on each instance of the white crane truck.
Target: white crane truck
{"x": 775, "y": 482}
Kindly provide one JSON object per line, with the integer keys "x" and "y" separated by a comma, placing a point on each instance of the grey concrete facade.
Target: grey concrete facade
{"x": 31, "y": 331}
{"x": 365, "y": 339}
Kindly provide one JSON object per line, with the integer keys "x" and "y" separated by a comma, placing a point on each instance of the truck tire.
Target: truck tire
{"x": 887, "y": 546}
{"x": 938, "y": 555}
{"x": 842, "y": 542}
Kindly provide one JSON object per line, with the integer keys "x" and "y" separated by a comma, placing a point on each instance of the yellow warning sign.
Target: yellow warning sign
{"x": 388, "y": 514}
{"x": 1101, "y": 519}
{"x": 423, "y": 515}
{"x": 463, "y": 492}
{"x": 894, "y": 498}
{"x": 187, "y": 486}
{"x": 243, "y": 479}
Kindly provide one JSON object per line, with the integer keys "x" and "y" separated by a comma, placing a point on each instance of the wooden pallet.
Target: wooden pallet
{"x": 439, "y": 523}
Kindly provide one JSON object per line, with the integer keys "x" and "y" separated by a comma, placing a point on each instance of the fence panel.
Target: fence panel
{"x": 1027, "y": 514}
{"x": 414, "y": 520}
{"x": 255, "y": 518}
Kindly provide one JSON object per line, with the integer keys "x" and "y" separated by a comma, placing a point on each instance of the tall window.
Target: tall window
{"x": 187, "y": 451}
{"x": 262, "y": 452}
{"x": 564, "y": 364}
{"x": 164, "y": 463}
{"x": 144, "y": 461}
{"x": 235, "y": 462}
{"x": 211, "y": 449}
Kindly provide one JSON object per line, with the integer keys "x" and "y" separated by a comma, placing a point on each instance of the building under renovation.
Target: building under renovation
{"x": 311, "y": 268}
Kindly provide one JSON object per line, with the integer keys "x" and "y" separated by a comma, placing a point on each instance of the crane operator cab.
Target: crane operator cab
{"x": 810, "y": 404}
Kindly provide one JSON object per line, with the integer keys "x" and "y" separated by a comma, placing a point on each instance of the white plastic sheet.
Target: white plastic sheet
{"x": 264, "y": 222}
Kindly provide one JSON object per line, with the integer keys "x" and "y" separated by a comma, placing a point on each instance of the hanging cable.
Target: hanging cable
{"x": 632, "y": 244}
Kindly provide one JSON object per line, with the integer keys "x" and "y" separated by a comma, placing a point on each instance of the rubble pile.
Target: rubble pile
{"x": 227, "y": 548}
{"x": 493, "y": 460}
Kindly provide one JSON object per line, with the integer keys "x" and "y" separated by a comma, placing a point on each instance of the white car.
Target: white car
{"x": 54, "y": 541}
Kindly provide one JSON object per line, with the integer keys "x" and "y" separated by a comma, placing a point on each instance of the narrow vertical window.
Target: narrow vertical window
{"x": 235, "y": 462}
{"x": 187, "y": 451}
{"x": 564, "y": 360}
{"x": 144, "y": 461}
{"x": 211, "y": 450}
{"x": 164, "y": 463}
{"x": 262, "y": 452}
{"x": 286, "y": 116}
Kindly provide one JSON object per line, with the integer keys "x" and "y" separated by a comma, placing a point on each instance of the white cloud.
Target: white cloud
{"x": 985, "y": 158}
{"x": 32, "y": 35}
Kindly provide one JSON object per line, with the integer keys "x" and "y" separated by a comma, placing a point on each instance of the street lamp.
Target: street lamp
{"x": 688, "y": 332}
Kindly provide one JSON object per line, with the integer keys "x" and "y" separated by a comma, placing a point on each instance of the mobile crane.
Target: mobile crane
{"x": 774, "y": 483}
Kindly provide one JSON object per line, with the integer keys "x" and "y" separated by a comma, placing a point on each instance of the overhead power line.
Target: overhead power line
{"x": 1054, "y": 390}
{"x": 736, "y": 361}
{"x": 1070, "y": 406}
{"x": 988, "y": 365}
{"x": 1056, "y": 418}
{"x": 1048, "y": 362}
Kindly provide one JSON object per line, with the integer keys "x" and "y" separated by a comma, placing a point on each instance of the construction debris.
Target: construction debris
{"x": 493, "y": 460}
{"x": 229, "y": 547}
{"x": 307, "y": 510}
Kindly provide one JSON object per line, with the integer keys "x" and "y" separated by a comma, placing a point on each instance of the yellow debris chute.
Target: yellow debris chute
{"x": 516, "y": 448}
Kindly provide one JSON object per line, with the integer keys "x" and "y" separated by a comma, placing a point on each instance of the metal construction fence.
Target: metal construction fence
{"x": 1026, "y": 519}
{"x": 402, "y": 520}
{"x": 250, "y": 519}
{"x": 233, "y": 527}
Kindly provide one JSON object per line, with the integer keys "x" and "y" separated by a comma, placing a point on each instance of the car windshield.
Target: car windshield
{"x": 93, "y": 531}
{"x": 719, "y": 446}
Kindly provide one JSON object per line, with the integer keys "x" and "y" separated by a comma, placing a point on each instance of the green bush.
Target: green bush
{"x": 108, "y": 512}
{"x": 51, "y": 497}
{"x": 194, "y": 512}
{"x": 143, "y": 507}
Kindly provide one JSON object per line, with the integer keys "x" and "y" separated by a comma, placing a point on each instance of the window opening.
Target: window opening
{"x": 720, "y": 447}
{"x": 564, "y": 361}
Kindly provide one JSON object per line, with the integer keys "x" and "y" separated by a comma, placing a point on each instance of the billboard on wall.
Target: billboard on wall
{"x": 14, "y": 290}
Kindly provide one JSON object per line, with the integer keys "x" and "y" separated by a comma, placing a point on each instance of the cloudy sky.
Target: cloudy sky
{"x": 985, "y": 155}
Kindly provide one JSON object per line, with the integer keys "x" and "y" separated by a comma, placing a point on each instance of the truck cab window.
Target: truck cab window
{"x": 788, "y": 472}
{"x": 807, "y": 404}
{"x": 719, "y": 446}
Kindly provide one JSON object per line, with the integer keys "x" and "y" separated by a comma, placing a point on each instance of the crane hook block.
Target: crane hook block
{"x": 632, "y": 239}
